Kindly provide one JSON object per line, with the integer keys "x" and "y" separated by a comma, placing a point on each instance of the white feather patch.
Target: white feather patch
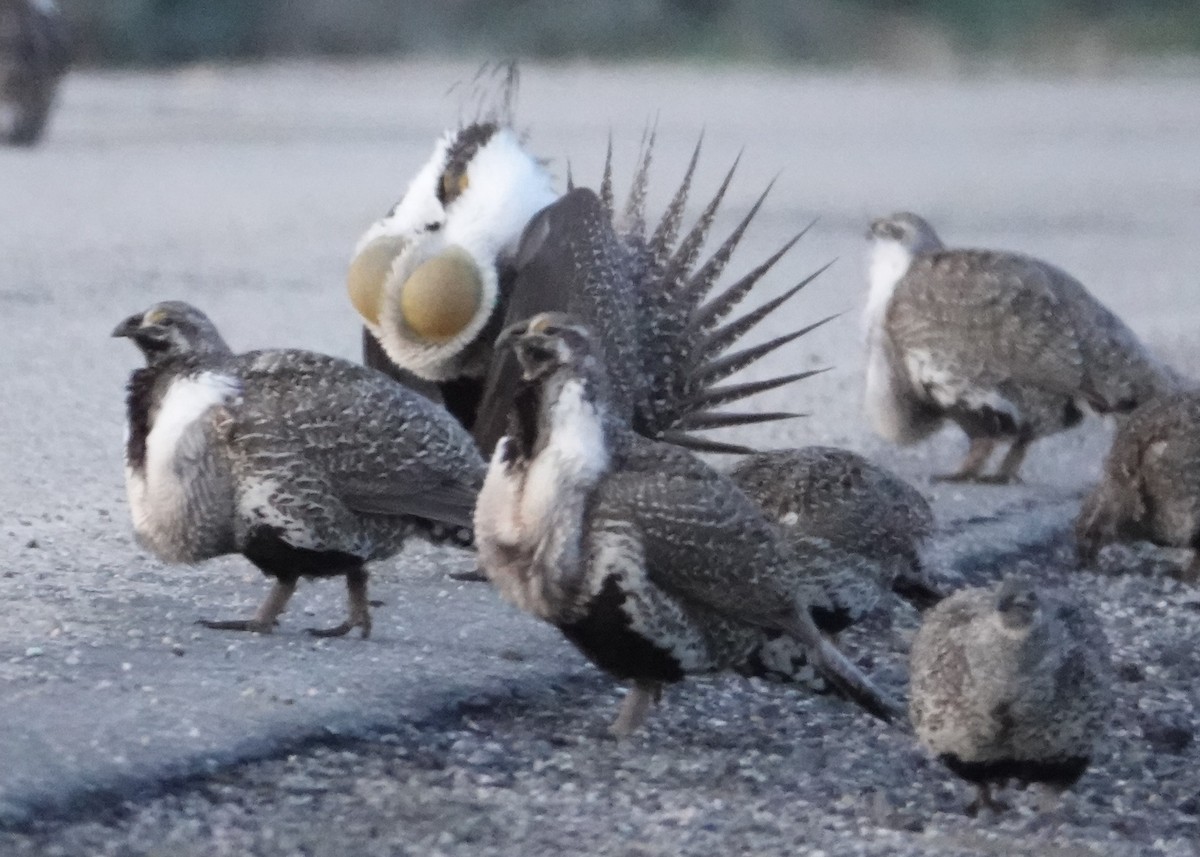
{"x": 576, "y": 456}
{"x": 159, "y": 492}
{"x": 888, "y": 262}
{"x": 528, "y": 518}
{"x": 885, "y": 410}
{"x": 419, "y": 208}
{"x": 187, "y": 400}
{"x": 506, "y": 187}
{"x": 950, "y": 390}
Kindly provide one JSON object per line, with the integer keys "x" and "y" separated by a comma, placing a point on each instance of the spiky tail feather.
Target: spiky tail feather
{"x": 840, "y": 672}
{"x": 687, "y": 337}
{"x": 919, "y": 593}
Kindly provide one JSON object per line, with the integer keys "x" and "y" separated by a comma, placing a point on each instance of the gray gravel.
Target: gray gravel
{"x": 463, "y": 726}
{"x": 729, "y": 765}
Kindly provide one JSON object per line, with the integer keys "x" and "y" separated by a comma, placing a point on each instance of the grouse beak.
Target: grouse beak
{"x": 129, "y": 327}
{"x": 509, "y": 336}
{"x": 534, "y": 350}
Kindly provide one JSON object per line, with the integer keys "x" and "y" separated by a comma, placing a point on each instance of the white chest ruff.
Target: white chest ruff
{"x": 166, "y": 494}
{"x": 887, "y": 413}
{"x": 889, "y": 262}
{"x": 506, "y": 187}
{"x": 528, "y": 519}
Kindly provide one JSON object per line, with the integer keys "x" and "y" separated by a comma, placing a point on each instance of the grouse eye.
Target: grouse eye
{"x": 167, "y": 322}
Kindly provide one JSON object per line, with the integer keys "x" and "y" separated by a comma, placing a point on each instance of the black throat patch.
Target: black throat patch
{"x": 527, "y": 405}
{"x": 139, "y": 404}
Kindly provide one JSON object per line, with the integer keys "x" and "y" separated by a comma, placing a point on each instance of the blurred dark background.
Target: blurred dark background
{"x": 905, "y": 32}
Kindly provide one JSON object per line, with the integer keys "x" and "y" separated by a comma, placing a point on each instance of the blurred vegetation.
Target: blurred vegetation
{"x": 890, "y": 31}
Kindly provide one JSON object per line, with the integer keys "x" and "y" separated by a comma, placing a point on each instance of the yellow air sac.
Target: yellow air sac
{"x": 442, "y": 296}
{"x": 369, "y": 271}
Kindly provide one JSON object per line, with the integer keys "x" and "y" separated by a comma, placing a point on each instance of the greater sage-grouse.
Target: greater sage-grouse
{"x": 1151, "y": 484}
{"x": 823, "y": 492}
{"x": 481, "y": 240}
{"x": 652, "y": 563}
{"x": 307, "y": 465}
{"x": 1011, "y": 683}
{"x": 34, "y": 53}
{"x": 1006, "y": 346}
{"x": 836, "y": 504}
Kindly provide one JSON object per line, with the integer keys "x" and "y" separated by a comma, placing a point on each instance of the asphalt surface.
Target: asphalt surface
{"x": 462, "y": 726}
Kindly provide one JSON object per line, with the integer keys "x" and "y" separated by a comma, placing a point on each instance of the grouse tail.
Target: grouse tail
{"x": 693, "y": 324}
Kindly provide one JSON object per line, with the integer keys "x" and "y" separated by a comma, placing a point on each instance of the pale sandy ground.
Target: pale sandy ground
{"x": 243, "y": 190}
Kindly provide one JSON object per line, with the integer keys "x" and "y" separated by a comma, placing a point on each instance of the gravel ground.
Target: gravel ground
{"x": 725, "y": 765}
{"x": 129, "y": 731}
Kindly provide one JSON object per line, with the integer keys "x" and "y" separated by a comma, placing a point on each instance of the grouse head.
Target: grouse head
{"x": 908, "y": 230}
{"x": 426, "y": 277}
{"x": 171, "y": 330}
{"x": 1018, "y": 606}
{"x": 554, "y": 344}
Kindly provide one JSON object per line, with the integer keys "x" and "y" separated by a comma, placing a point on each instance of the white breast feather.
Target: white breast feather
{"x": 506, "y": 187}
{"x": 159, "y": 492}
{"x": 419, "y": 208}
{"x": 497, "y": 518}
{"x": 889, "y": 262}
{"x": 950, "y": 390}
{"x": 528, "y": 516}
{"x": 575, "y": 457}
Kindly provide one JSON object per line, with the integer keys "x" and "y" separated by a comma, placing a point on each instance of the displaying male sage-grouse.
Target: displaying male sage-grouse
{"x": 1151, "y": 484}
{"x": 481, "y": 240}
{"x": 1011, "y": 683}
{"x": 307, "y": 465}
{"x": 1006, "y": 346}
{"x": 652, "y": 563}
{"x": 34, "y": 53}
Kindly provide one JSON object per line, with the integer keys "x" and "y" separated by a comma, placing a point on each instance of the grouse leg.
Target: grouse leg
{"x": 1010, "y": 466}
{"x": 360, "y": 608}
{"x": 984, "y": 799}
{"x": 635, "y": 707}
{"x": 977, "y": 455}
{"x": 264, "y": 620}
{"x": 1190, "y": 573}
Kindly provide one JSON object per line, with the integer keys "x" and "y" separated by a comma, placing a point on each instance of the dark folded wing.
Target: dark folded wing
{"x": 383, "y": 448}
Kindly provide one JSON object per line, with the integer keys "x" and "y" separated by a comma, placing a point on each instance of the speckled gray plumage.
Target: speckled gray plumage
{"x": 856, "y": 528}
{"x": 1007, "y": 681}
{"x": 296, "y": 457}
{"x": 34, "y": 53}
{"x": 837, "y": 495}
{"x": 652, "y": 563}
{"x": 1005, "y": 345}
{"x": 1150, "y": 488}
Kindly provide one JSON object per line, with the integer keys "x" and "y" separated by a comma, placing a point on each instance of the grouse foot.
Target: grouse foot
{"x": 265, "y": 619}
{"x": 985, "y": 800}
{"x": 255, "y": 625}
{"x": 360, "y": 608}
